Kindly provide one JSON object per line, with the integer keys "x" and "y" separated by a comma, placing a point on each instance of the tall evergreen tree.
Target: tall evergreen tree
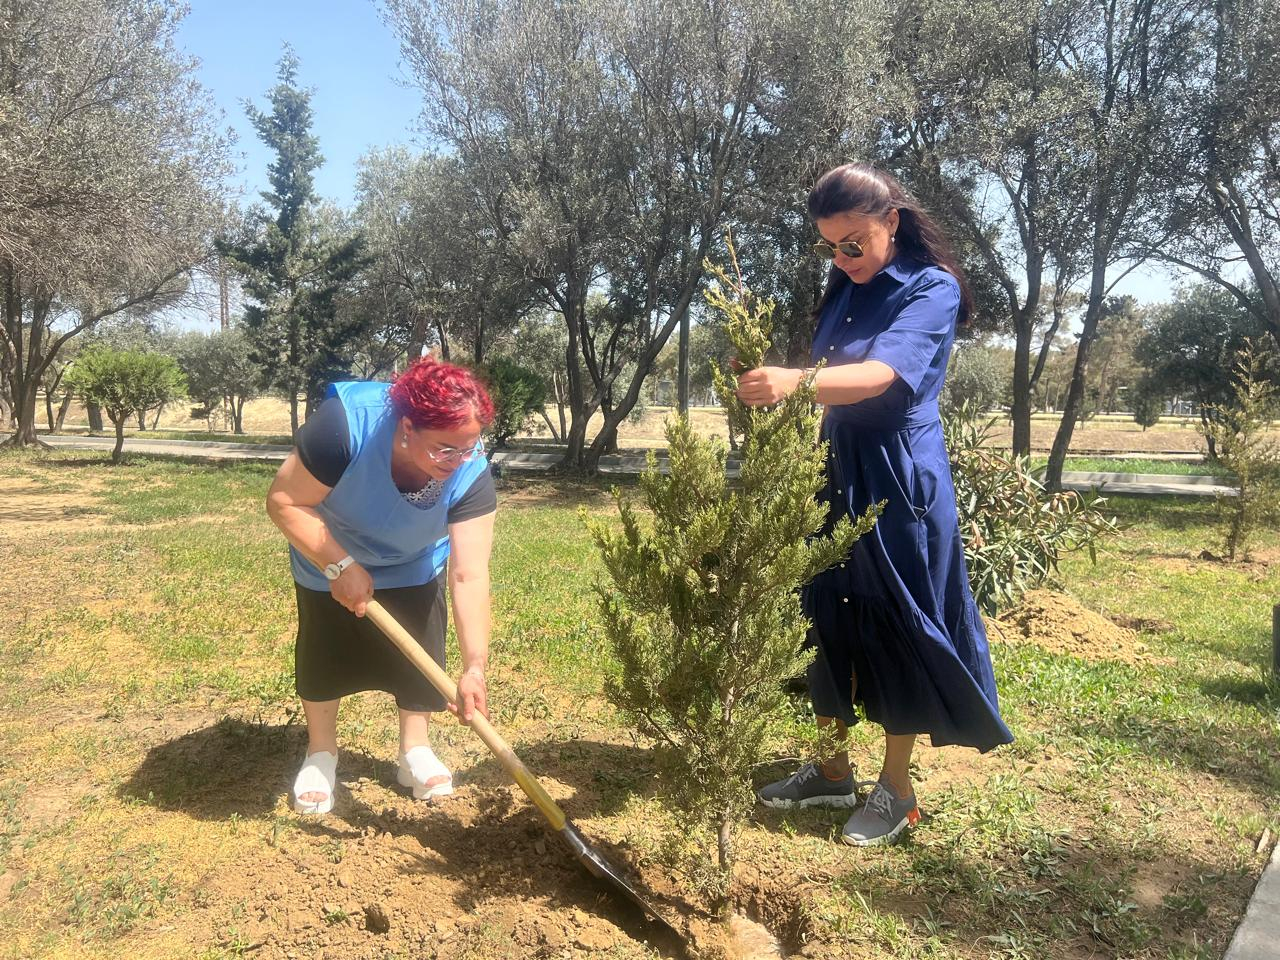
{"x": 295, "y": 258}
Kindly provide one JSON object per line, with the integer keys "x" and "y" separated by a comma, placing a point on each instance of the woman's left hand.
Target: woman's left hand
{"x": 473, "y": 695}
{"x": 765, "y": 386}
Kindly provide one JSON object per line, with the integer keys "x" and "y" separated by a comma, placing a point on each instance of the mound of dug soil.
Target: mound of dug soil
{"x": 1057, "y": 623}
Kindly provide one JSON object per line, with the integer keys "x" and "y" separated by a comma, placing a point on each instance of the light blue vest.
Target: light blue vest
{"x": 399, "y": 544}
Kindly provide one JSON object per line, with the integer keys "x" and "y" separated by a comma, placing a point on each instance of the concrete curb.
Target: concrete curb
{"x": 1258, "y": 936}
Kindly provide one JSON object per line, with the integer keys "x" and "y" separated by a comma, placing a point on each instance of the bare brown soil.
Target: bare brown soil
{"x": 1057, "y": 623}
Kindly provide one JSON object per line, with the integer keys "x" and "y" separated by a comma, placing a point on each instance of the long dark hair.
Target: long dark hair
{"x": 861, "y": 188}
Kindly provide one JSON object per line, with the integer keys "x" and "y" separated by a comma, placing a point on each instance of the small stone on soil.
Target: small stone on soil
{"x": 375, "y": 919}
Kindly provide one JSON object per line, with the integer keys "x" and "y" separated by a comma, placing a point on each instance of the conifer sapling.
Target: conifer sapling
{"x": 700, "y": 602}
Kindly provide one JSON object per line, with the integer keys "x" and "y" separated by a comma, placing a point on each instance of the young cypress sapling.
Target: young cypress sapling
{"x": 701, "y": 603}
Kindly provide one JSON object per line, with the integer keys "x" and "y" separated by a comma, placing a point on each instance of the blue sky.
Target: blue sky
{"x": 349, "y": 57}
{"x": 351, "y": 61}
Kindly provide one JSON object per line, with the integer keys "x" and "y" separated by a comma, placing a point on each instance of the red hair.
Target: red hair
{"x": 440, "y": 396}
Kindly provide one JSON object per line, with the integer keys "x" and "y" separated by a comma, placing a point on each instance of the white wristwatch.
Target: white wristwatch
{"x": 334, "y": 570}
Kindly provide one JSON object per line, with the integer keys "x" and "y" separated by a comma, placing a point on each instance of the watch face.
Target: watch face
{"x": 333, "y": 571}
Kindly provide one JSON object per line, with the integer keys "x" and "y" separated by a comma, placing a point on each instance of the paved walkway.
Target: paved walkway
{"x": 624, "y": 464}
{"x": 1258, "y": 937}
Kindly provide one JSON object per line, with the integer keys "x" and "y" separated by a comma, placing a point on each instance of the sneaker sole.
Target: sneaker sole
{"x": 835, "y": 801}
{"x": 885, "y": 839}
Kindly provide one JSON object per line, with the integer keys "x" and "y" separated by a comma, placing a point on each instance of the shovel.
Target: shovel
{"x": 595, "y": 863}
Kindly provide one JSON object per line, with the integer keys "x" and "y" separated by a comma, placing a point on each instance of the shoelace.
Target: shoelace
{"x": 881, "y": 802}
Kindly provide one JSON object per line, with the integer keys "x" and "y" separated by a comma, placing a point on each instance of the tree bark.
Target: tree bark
{"x": 1074, "y": 404}
{"x": 118, "y": 452}
{"x": 62, "y": 411}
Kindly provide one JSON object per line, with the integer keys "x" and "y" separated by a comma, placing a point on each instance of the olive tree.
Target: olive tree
{"x": 125, "y": 383}
{"x": 112, "y": 171}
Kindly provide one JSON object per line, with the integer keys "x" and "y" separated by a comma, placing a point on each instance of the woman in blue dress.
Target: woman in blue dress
{"x": 895, "y": 626}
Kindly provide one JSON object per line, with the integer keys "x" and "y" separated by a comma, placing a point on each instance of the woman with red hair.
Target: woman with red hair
{"x": 387, "y": 487}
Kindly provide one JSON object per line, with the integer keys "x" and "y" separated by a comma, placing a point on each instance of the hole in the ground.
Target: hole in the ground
{"x": 749, "y": 940}
{"x": 769, "y": 918}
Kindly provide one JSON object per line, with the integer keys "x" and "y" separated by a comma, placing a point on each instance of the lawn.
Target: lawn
{"x": 149, "y": 736}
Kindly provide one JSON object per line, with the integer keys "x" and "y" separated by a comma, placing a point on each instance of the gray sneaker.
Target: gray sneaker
{"x": 809, "y": 787}
{"x": 881, "y": 818}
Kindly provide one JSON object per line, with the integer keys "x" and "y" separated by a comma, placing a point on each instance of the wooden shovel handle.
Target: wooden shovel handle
{"x": 442, "y": 682}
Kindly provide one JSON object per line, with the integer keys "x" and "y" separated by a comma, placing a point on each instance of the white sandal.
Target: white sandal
{"x": 319, "y": 774}
{"x": 419, "y": 765}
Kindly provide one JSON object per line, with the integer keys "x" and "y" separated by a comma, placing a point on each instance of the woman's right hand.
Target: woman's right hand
{"x": 354, "y": 589}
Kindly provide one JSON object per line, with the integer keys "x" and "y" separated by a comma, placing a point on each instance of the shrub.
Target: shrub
{"x": 517, "y": 392}
{"x": 125, "y": 382}
{"x": 1148, "y": 405}
{"x": 1014, "y": 530}
{"x": 1239, "y": 430}
{"x": 975, "y": 378}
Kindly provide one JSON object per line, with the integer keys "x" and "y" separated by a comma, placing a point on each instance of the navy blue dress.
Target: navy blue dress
{"x": 898, "y": 614}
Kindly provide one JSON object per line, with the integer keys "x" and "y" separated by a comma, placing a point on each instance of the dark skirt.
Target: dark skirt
{"x": 897, "y": 618}
{"x": 338, "y": 653}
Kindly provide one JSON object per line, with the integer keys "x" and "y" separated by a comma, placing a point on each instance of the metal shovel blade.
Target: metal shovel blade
{"x": 596, "y": 864}
{"x": 600, "y": 868}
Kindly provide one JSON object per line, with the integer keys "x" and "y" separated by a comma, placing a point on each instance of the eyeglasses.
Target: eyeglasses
{"x": 828, "y": 251}
{"x": 449, "y": 455}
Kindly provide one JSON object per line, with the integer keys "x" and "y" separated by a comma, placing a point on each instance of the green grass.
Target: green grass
{"x": 1126, "y": 465}
{"x": 1121, "y": 823}
{"x": 216, "y": 436}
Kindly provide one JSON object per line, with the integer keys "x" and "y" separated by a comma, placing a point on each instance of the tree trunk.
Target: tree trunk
{"x": 551, "y": 426}
{"x": 118, "y": 452}
{"x": 237, "y": 415}
{"x": 142, "y": 419}
{"x": 62, "y": 410}
{"x": 155, "y": 422}
{"x": 724, "y": 852}
{"x": 1074, "y": 406}
{"x": 293, "y": 415}
{"x": 25, "y": 435}
{"x": 682, "y": 367}
{"x": 48, "y": 409}
{"x": 94, "y": 413}
{"x": 1021, "y": 412}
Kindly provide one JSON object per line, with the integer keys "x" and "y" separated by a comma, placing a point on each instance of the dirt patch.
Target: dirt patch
{"x": 1059, "y": 624}
{"x": 29, "y": 508}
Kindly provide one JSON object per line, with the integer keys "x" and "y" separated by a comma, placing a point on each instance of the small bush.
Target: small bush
{"x": 1239, "y": 431}
{"x": 517, "y": 393}
{"x": 975, "y": 379}
{"x": 1014, "y": 530}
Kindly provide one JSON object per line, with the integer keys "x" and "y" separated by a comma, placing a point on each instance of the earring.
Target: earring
{"x": 404, "y": 441}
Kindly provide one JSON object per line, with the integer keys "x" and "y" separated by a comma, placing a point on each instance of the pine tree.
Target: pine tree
{"x": 700, "y": 603}
{"x": 294, "y": 264}
{"x": 1241, "y": 429}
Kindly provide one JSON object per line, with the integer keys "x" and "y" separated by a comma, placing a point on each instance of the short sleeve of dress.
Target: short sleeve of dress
{"x": 919, "y": 330}
{"x": 324, "y": 442}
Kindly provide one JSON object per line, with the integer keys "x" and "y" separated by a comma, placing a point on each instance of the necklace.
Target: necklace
{"x": 427, "y": 497}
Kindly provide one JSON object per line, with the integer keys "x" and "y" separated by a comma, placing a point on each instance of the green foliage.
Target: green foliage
{"x": 125, "y": 382}
{"x": 517, "y": 392}
{"x": 1014, "y": 531}
{"x": 1147, "y": 403}
{"x": 1189, "y": 346}
{"x": 976, "y": 378}
{"x": 1239, "y": 430}
{"x": 700, "y": 601}
{"x": 220, "y": 372}
{"x": 296, "y": 264}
